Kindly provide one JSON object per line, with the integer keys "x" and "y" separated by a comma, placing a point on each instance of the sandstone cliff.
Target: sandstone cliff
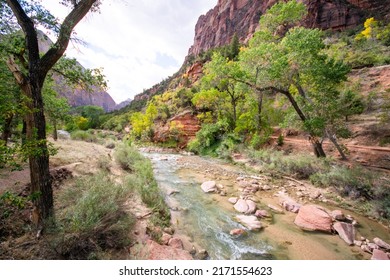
{"x": 77, "y": 97}
{"x": 218, "y": 26}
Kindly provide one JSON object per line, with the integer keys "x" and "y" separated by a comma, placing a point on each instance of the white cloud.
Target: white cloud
{"x": 138, "y": 43}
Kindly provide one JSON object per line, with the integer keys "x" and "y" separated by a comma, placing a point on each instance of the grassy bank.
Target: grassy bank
{"x": 368, "y": 190}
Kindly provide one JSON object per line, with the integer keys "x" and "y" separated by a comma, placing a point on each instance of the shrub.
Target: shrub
{"x": 91, "y": 218}
{"x": 127, "y": 156}
{"x": 86, "y": 136}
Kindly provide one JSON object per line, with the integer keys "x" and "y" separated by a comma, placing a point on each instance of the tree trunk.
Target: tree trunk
{"x": 259, "y": 110}
{"x": 336, "y": 144}
{"x": 7, "y": 129}
{"x": 55, "y": 134}
{"x": 41, "y": 188}
{"x": 317, "y": 147}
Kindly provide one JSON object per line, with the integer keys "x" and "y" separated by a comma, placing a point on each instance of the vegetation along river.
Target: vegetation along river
{"x": 204, "y": 220}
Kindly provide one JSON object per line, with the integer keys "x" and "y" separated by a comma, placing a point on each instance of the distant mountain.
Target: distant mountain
{"x": 123, "y": 104}
{"x": 77, "y": 97}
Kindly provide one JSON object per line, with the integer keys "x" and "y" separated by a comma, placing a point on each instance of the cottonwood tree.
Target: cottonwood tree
{"x": 30, "y": 68}
{"x": 290, "y": 61}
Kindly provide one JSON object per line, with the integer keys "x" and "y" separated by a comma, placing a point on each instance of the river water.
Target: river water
{"x": 205, "y": 220}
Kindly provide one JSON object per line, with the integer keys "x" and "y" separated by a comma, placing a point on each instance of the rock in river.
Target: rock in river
{"x": 313, "y": 218}
{"x": 379, "y": 255}
{"x": 381, "y": 243}
{"x": 209, "y": 186}
{"x": 250, "y": 222}
{"x": 346, "y": 232}
{"x": 241, "y": 206}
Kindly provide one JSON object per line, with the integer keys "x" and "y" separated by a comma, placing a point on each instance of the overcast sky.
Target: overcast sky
{"x": 138, "y": 43}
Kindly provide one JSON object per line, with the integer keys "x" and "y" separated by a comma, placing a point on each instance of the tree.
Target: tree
{"x": 292, "y": 63}
{"x": 221, "y": 92}
{"x": 56, "y": 108}
{"x": 30, "y": 69}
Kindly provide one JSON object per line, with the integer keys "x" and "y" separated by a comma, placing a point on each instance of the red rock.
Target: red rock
{"x": 262, "y": 214}
{"x": 251, "y": 207}
{"x": 381, "y": 243}
{"x": 209, "y": 186}
{"x": 241, "y": 206}
{"x": 165, "y": 238}
{"x": 313, "y": 218}
{"x": 346, "y": 232}
{"x": 338, "y": 215}
{"x": 237, "y": 232}
{"x": 379, "y": 255}
{"x": 250, "y": 222}
{"x": 175, "y": 243}
{"x": 154, "y": 251}
{"x": 233, "y": 200}
{"x": 241, "y": 17}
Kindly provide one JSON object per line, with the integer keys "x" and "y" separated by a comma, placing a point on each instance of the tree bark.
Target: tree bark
{"x": 55, "y": 134}
{"x": 333, "y": 139}
{"x": 7, "y": 129}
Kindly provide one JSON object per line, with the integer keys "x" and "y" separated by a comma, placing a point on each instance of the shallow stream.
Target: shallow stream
{"x": 205, "y": 220}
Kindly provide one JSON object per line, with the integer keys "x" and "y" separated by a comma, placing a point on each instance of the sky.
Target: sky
{"x": 137, "y": 43}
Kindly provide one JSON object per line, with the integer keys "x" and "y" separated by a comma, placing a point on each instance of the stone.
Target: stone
{"x": 381, "y": 243}
{"x": 379, "y": 255}
{"x": 250, "y": 222}
{"x": 372, "y": 246}
{"x": 63, "y": 134}
{"x": 241, "y": 206}
{"x": 337, "y": 215}
{"x": 346, "y": 232}
{"x": 315, "y": 194}
{"x": 251, "y": 207}
{"x": 202, "y": 254}
{"x": 366, "y": 249}
{"x": 165, "y": 238}
{"x": 313, "y": 218}
{"x": 233, "y": 200}
{"x": 265, "y": 188}
{"x": 275, "y": 209}
{"x": 237, "y": 232}
{"x": 262, "y": 214}
{"x": 358, "y": 243}
{"x": 154, "y": 251}
{"x": 169, "y": 230}
{"x": 209, "y": 187}
{"x": 175, "y": 243}
{"x": 289, "y": 204}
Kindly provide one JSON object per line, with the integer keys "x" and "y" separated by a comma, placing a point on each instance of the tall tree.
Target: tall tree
{"x": 28, "y": 15}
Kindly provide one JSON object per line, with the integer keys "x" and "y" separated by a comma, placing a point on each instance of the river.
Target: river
{"x": 205, "y": 220}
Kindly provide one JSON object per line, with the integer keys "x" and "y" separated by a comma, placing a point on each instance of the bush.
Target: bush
{"x": 142, "y": 180}
{"x": 92, "y": 218}
{"x": 353, "y": 182}
{"x": 86, "y": 136}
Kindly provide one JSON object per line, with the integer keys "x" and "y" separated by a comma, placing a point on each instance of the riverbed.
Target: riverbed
{"x": 204, "y": 220}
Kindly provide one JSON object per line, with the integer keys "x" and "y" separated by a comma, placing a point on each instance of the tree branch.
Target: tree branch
{"x": 59, "y": 47}
{"x": 27, "y": 26}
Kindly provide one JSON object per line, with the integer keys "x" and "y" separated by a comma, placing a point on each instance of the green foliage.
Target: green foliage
{"x": 142, "y": 180}
{"x": 82, "y": 135}
{"x": 228, "y": 145}
{"x": 351, "y": 103}
{"x": 207, "y": 137}
{"x": 353, "y": 182}
{"x": 82, "y": 123}
{"x": 92, "y": 217}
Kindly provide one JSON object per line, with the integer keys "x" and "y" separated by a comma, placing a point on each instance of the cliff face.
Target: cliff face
{"x": 218, "y": 26}
{"x": 77, "y": 97}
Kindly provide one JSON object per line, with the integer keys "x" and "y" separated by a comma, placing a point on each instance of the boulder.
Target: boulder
{"x": 313, "y": 218}
{"x": 337, "y": 215}
{"x": 251, "y": 207}
{"x": 63, "y": 134}
{"x": 381, "y": 243}
{"x": 175, "y": 243}
{"x": 262, "y": 214}
{"x": 209, "y": 187}
{"x": 346, "y": 232}
{"x": 289, "y": 204}
{"x": 165, "y": 238}
{"x": 379, "y": 255}
{"x": 237, "y": 232}
{"x": 250, "y": 222}
{"x": 241, "y": 206}
{"x": 233, "y": 200}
